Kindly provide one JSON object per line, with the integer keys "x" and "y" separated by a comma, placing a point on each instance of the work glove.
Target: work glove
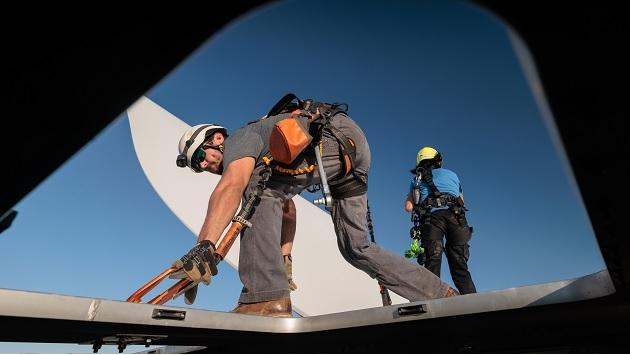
{"x": 198, "y": 265}
{"x": 288, "y": 267}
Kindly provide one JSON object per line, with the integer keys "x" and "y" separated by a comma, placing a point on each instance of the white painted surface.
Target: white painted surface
{"x": 327, "y": 283}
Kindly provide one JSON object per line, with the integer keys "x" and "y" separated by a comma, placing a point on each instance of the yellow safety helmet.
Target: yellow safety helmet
{"x": 427, "y": 153}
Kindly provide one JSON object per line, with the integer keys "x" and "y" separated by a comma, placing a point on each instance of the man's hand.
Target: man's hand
{"x": 198, "y": 265}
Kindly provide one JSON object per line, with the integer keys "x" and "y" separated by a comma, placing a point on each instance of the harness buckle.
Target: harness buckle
{"x": 242, "y": 221}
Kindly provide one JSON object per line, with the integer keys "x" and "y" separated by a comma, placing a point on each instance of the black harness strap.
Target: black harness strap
{"x": 346, "y": 148}
{"x": 441, "y": 200}
{"x": 282, "y": 104}
{"x": 437, "y": 199}
{"x": 427, "y": 177}
{"x": 349, "y": 188}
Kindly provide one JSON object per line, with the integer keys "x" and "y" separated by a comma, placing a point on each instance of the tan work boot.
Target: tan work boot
{"x": 274, "y": 308}
{"x": 288, "y": 267}
{"x": 451, "y": 292}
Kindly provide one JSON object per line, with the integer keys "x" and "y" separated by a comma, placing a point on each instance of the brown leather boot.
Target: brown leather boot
{"x": 451, "y": 292}
{"x": 274, "y": 308}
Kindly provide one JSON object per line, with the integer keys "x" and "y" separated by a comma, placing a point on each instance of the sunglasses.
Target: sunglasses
{"x": 197, "y": 158}
{"x": 200, "y": 154}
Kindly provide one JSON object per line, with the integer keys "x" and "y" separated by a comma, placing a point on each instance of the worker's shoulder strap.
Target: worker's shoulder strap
{"x": 347, "y": 147}
{"x": 290, "y": 103}
{"x": 282, "y": 104}
{"x": 427, "y": 177}
{"x": 327, "y": 111}
{"x": 435, "y": 198}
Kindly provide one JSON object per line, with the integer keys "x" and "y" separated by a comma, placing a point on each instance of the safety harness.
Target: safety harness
{"x": 304, "y": 129}
{"x": 435, "y": 198}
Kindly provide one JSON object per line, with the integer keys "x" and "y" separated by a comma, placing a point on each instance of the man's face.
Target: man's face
{"x": 213, "y": 159}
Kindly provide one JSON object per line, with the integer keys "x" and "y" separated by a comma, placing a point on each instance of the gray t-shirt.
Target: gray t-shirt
{"x": 251, "y": 140}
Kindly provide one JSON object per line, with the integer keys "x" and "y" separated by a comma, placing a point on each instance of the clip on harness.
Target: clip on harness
{"x": 417, "y": 213}
{"x": 415, "y": 233}
{"x": 239, "y": 223}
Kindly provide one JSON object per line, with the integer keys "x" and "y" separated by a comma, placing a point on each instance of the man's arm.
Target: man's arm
{"x": 409, "y": 203}
{"x": 225, "y": 198}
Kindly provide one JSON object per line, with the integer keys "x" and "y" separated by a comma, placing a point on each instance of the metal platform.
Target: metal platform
{"x": 42, "y": 317}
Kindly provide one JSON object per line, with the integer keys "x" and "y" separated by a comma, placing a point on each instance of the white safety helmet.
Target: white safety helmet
{"x": 193, "y": 139}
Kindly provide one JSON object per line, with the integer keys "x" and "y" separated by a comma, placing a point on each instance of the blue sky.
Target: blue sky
{"x": 434, "y": 73}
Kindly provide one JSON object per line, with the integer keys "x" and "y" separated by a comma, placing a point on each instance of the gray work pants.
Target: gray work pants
{"x": 261, "y": 267}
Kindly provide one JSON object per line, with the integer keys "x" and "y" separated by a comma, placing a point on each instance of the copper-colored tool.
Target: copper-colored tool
{"x": 136, "y": 297}
{"x": 239, "y": 222}
{"x": 181, "y": 285}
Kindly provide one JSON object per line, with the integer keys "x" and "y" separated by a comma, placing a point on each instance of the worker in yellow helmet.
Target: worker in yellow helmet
{"x": 436, "y": 201}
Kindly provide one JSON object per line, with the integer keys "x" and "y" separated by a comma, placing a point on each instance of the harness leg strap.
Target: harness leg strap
{"x": 349, "y": 188}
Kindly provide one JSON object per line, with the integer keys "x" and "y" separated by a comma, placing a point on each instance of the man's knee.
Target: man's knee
{"x": 355, "y": 248}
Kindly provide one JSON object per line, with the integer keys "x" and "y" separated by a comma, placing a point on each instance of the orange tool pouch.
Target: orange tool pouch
{"x": 290, "y": 137}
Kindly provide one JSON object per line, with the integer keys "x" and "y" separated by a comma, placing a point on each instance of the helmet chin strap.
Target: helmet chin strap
{"x": 219, "y": 147}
